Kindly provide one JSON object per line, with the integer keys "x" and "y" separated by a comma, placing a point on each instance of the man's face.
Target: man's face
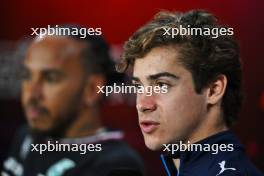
{"x": 167, "y": 117}
{"x": 53, "y": 83}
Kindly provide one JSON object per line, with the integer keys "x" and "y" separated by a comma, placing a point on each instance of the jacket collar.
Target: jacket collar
{"x": 188, "y": 157}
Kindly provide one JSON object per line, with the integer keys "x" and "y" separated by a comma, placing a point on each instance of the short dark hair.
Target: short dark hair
{"x": 95, "y": 56}
{"x": 205, "y": 57}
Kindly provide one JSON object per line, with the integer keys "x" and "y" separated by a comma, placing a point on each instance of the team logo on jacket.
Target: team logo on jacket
{"x": 223, "y": 168}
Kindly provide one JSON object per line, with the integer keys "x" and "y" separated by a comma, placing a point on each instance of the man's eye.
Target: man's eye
{"x": 136, "y": 85}
{"x": 52, "y": 78}
{"x": 162, "y": 84}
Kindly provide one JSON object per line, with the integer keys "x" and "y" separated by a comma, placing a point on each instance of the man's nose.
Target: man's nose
{"x": 146, "y": 103}
{"x": 35, "y": 90}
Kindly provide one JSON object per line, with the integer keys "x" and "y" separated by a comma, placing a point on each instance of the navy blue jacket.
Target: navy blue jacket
{"x": 204, "y": 163}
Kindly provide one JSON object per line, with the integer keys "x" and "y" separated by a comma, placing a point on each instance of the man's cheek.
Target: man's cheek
{"x": 56, "y": 98}
{"x": 54, "y": 92}
{"x": 162, "y": 131}
{"x": 170, "y": 126}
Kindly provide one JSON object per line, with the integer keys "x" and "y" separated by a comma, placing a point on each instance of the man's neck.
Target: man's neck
{"x": 200, "y": 135}
{"x": 213, "y": 124}
{"x": 177, "y": 163}
{"x": 86, "y": 124}
{"x": 198, "y": 138}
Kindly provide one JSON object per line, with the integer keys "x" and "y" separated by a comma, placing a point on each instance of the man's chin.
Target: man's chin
{"x": 153, "y": 145}
{"x": 42, "y": 129}
{"x": 39, "y": 132}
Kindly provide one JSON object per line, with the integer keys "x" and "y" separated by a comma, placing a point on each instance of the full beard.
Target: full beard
{"x": 67, "y": 118}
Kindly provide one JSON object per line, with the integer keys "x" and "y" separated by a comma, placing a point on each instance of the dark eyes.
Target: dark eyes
{"x": 52, "y": 77}
{"x": 137, "y": 85}
{"x": 162, "y": 84}
{"x": 47, "y": 77}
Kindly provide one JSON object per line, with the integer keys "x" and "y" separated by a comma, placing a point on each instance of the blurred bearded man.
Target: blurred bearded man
{"x": 65, "y": 135}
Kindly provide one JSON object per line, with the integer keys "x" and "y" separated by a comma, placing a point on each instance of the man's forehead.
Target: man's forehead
{"x": 160, "y": 59}
{"x": 53, "y": 52}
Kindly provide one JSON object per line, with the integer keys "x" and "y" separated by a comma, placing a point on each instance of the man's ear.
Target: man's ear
{"x": 91, "y": 92}
{"x": 216, "y": 90}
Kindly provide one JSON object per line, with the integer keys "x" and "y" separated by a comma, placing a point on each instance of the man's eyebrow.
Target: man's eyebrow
{"x": 162, "y": 74}
{"x": 52, "y": 71}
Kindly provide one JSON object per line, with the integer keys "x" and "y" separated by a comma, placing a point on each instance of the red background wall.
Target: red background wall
{"x": 118, "y": 20}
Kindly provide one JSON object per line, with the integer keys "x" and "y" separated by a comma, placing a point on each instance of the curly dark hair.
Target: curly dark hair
{"x": 205, "y": 56}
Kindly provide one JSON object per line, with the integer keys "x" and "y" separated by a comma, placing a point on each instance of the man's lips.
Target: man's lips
{"x": 33, "y": 113}
{"x": 148, "y": 126}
